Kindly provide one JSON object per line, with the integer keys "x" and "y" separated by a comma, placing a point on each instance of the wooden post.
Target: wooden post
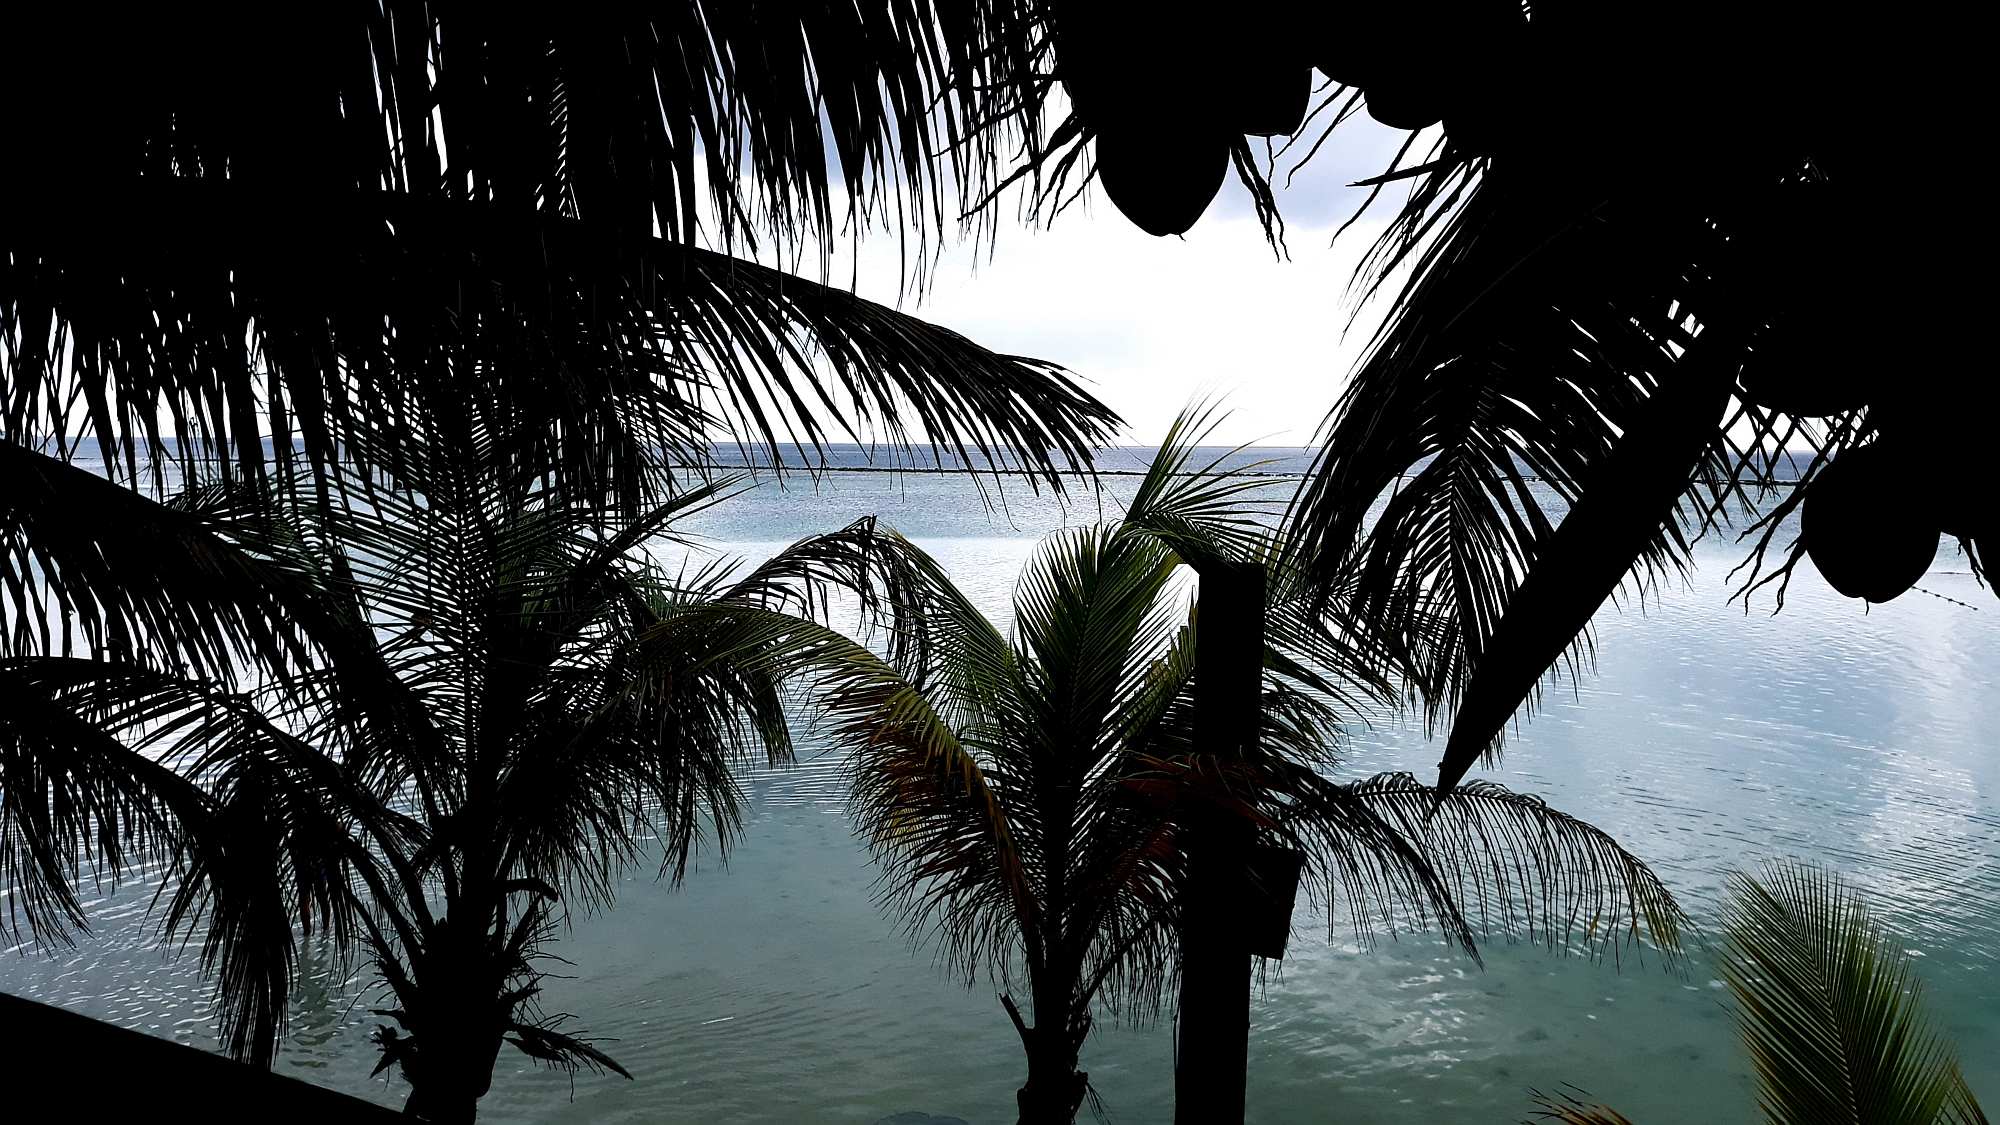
{"x": 1212, "y": 1048}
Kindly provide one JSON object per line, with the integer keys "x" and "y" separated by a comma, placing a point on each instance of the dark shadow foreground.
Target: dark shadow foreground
{"x": 123, "y": 1075}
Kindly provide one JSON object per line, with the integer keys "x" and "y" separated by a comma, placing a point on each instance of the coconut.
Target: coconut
{"x": 1357, "y": 44}
{"x": 1405, "y": 105}
{"x": 1161, "y": 178}
{"x": 1420, "y": 60}
{"x": 1264, "y": 98}
{"x": 1861, "y": 529}
{"x": 1091, "y": 68}
{"x": 1162, "y": 143}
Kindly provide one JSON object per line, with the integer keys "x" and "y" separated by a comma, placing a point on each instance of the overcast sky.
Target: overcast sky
{"x": 1153, "y": 323}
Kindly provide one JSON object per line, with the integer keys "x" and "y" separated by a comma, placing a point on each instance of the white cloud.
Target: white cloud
{"x": 1151, "y": 324}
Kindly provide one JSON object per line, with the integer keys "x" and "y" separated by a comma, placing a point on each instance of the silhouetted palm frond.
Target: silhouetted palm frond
{"x": 73, "y": 795}
{"x": 209, "y": 306}
{"x": 1563, "y": 347}
{"x": 264, "y": 840}
{"x": 442, "y": 709}
{"x": 321, "y": 218}
{"x": 1511, "y": 864}
{"x": 1537, "y": 331}
{"x": 207, "y": 584}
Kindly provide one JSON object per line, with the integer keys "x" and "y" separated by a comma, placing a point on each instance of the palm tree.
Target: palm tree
{"x": 1026, "y": 790}
{"x": 311, "y": 251}
{"x": 469, "y": 703}
{"x": 1830, "y": 1009}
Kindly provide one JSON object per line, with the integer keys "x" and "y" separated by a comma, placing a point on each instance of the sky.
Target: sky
{"x": 1151, "y": 324}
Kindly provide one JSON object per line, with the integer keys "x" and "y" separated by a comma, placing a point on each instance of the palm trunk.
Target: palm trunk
{"x": 445, "y": 1098}
{"x": 460, "y": 987}
{"x": 456, "y": 1070}
{"x": 461, "y": 1028}
{"x": 1055, "y": 1087}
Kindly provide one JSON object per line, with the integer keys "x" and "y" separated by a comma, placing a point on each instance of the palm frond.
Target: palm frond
{"x": 541, "y": 1041}
{"x": 761, "y": 120}
{"x": 1631, "y": 496}
{"x": 96, "y": 568}
{"x": 227, "y": 584}
{"x": 1540, "y": 327}
{"x": 897, "y": 591}
{"x": 973, "y": 778}
{"x": 1569, "y": 1107}
{"x": 646, "y": 727}
{"x": 647, "y": 742}
{"x": 1192, "y": 503}
{"x": 1088, "y": 616}
{"x": 931, "y": 810}
{"x": 1507, "y": 862}
{"x": 920, "y": 797}
{"x": 1831, "y": 1009}
{"x": 73, "y": 796}
{"x": 523, "y": 205}
{"x": 608, "y": 357}
{"x": 266, "y": 841}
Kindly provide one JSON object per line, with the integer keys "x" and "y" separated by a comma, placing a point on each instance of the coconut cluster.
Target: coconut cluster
{"x": 1853, "y": 326}
{"x": 1581, "y": 86}
{"x": 1166, "y": 96}
{"x": 1746, "y": 121}
{"x": 1872, "y": 518}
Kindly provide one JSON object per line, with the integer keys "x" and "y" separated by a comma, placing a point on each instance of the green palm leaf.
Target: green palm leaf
{"x": 1831, "y": 1009}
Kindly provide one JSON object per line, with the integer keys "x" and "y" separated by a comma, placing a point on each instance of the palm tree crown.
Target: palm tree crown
{"x": 424, "y": 726}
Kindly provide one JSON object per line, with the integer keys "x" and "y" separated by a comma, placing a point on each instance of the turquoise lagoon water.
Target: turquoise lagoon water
{"x": 773, "y": 990}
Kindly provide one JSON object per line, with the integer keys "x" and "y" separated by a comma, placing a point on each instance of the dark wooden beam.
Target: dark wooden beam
{"x": 1212, "y": 1029}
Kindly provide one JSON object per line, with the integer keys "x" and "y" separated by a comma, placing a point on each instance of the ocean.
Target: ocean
{"x": 773, "y": 989}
